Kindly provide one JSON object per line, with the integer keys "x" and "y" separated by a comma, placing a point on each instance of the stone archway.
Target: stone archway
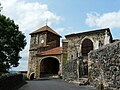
{"x": 87, "y": 46}
{"x": 49, "y": 66}
{"x": 32, "y": 76}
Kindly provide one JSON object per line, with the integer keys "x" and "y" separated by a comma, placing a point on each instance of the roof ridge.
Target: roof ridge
{"x": 45, "y": 28}
{"x": 91, "y": 31}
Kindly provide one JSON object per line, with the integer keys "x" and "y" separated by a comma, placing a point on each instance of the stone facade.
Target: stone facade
{"x": 105, "y": 66}
{"x": 70, "y": 71}
{"x": 99, "y": 38}
{"x": 44, "y": 53}
{"x": 75, "y": 50}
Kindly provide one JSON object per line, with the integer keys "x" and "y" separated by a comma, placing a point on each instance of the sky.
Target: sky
{"x": 63, "y": 16}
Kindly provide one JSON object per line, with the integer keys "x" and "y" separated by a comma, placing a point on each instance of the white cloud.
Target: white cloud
{"x": 29, "y": 16}
{"x": 111, "y": 19}
{"x": 59, "y": 30}
{"x": 71, "y": 30}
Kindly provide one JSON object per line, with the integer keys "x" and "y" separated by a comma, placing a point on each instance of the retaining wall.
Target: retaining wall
{"x": 10, "y": 81}
{"x": 105, "y": 67}
{"x": 70, "y": 71}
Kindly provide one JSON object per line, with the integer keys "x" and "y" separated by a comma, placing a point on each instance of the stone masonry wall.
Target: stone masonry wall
{"x": 105, "y": 67}
{"x": 64, "y": 51}
{"x": 70, "y": 71}
{"x": 11, "y": 81}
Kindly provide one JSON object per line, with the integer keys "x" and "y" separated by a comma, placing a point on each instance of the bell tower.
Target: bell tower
{"x": 42, "y": 40}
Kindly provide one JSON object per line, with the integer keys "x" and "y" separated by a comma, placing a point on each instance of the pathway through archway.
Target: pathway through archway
{"x": 87, "y": 46}
{"x": 49, "y": 66}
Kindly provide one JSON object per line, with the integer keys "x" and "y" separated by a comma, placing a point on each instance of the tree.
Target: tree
{"x": 12, "y": 41}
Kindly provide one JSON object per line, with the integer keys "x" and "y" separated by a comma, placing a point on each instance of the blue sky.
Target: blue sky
{"x": 64, "y": 16}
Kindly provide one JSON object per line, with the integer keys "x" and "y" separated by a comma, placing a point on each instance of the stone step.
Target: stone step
{"x": 50, "y": 76}
{"x": 83, "y": 81}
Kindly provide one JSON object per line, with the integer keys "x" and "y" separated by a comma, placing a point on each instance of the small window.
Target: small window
{"x": 71, "y": 56}
{"x": 77, "y": 54}
{"x": 100, "y": 44}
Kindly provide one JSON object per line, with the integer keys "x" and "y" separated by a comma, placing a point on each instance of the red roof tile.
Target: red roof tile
{"x": 54, "y": 51}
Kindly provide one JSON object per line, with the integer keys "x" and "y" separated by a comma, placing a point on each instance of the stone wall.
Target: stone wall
{"x": 105, "y": 67}
{"x": 11, "y": 81}
{"x": 64, "y": 51}
{"x": 69, "y": 72}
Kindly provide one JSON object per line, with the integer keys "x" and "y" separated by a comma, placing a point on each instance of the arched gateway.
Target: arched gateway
{"x": 87, "y": 46}
{"x": 49, "y": 66}
{"x": 32, "y": 76}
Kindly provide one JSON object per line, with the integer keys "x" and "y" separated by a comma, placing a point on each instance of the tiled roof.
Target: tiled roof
{"x": 45, "y": 28}
{"x": 54, "y": 51}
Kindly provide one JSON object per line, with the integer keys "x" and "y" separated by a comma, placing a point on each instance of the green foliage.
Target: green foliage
{"x": 12, "y": 41}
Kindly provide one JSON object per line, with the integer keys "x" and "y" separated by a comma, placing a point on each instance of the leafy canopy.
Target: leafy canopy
{"x": 12, "y": 41}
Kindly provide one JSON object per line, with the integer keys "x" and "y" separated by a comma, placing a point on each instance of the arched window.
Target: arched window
{"x": 87, "y": 46}
{"x": 100, "y": 44}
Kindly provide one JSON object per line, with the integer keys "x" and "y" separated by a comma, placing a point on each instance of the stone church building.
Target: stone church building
{"x": 46, "y": 57}
{"x": 44, "y": 53}
{"x": 76, "y": 47}
{"x": 91, "y": 57}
